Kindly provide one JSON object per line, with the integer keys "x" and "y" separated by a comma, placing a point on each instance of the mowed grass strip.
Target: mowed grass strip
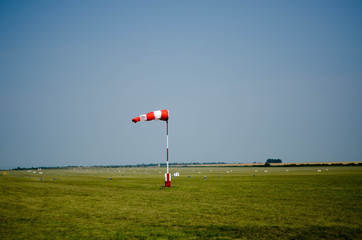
{"x": 231, "y": 203}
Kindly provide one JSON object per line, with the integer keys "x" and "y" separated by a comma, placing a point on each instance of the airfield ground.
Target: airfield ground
{"x": 232, "y": 203}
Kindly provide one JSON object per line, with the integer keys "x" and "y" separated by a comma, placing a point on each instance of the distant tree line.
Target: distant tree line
{"x": 267, "y": 164}
{"x": 35, "y": 168}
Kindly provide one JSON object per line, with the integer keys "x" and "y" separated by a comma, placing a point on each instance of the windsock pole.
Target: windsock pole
{"x": 167, "y": 144}
{"x": 167, "y": 175}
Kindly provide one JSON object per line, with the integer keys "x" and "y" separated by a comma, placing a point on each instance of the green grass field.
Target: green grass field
{"x": 83, "y": 203}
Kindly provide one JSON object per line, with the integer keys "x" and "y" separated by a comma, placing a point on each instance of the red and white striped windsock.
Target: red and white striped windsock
{"x": 155, "y": 115}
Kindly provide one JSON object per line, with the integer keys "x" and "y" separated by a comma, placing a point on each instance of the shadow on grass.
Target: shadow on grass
{"x": 275, "y": 232}
{"x": 247, "y": 232}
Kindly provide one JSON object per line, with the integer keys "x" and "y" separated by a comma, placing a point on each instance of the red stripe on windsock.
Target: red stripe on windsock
{"x": 150, "y": 116}
{"x": 164, "y": 115}
{"x": 137, "y": 119}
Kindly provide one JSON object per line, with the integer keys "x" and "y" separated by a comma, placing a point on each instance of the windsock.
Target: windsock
{"x": 155, "y": 115}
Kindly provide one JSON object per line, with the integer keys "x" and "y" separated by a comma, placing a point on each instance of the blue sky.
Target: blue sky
{"x": 243, "y": 80}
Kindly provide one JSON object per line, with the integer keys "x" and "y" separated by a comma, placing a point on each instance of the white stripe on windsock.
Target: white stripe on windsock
{"x": 143, "y": 117}
{"x": 157, "y": 114}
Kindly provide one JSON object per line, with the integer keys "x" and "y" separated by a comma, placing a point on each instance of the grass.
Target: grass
{"x": 83, "y": 203}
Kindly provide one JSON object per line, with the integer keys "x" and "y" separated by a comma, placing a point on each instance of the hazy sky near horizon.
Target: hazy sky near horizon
{"x": 243, "y": 80}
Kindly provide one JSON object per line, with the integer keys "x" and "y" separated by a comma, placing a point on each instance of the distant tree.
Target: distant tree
{"x": 272, "y": 160}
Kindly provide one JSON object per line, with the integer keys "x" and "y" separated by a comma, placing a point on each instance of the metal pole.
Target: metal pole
{"x": 167, "y": 144}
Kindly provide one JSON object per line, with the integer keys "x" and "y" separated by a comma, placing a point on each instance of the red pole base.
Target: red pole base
{"x": 167, "y": 183}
